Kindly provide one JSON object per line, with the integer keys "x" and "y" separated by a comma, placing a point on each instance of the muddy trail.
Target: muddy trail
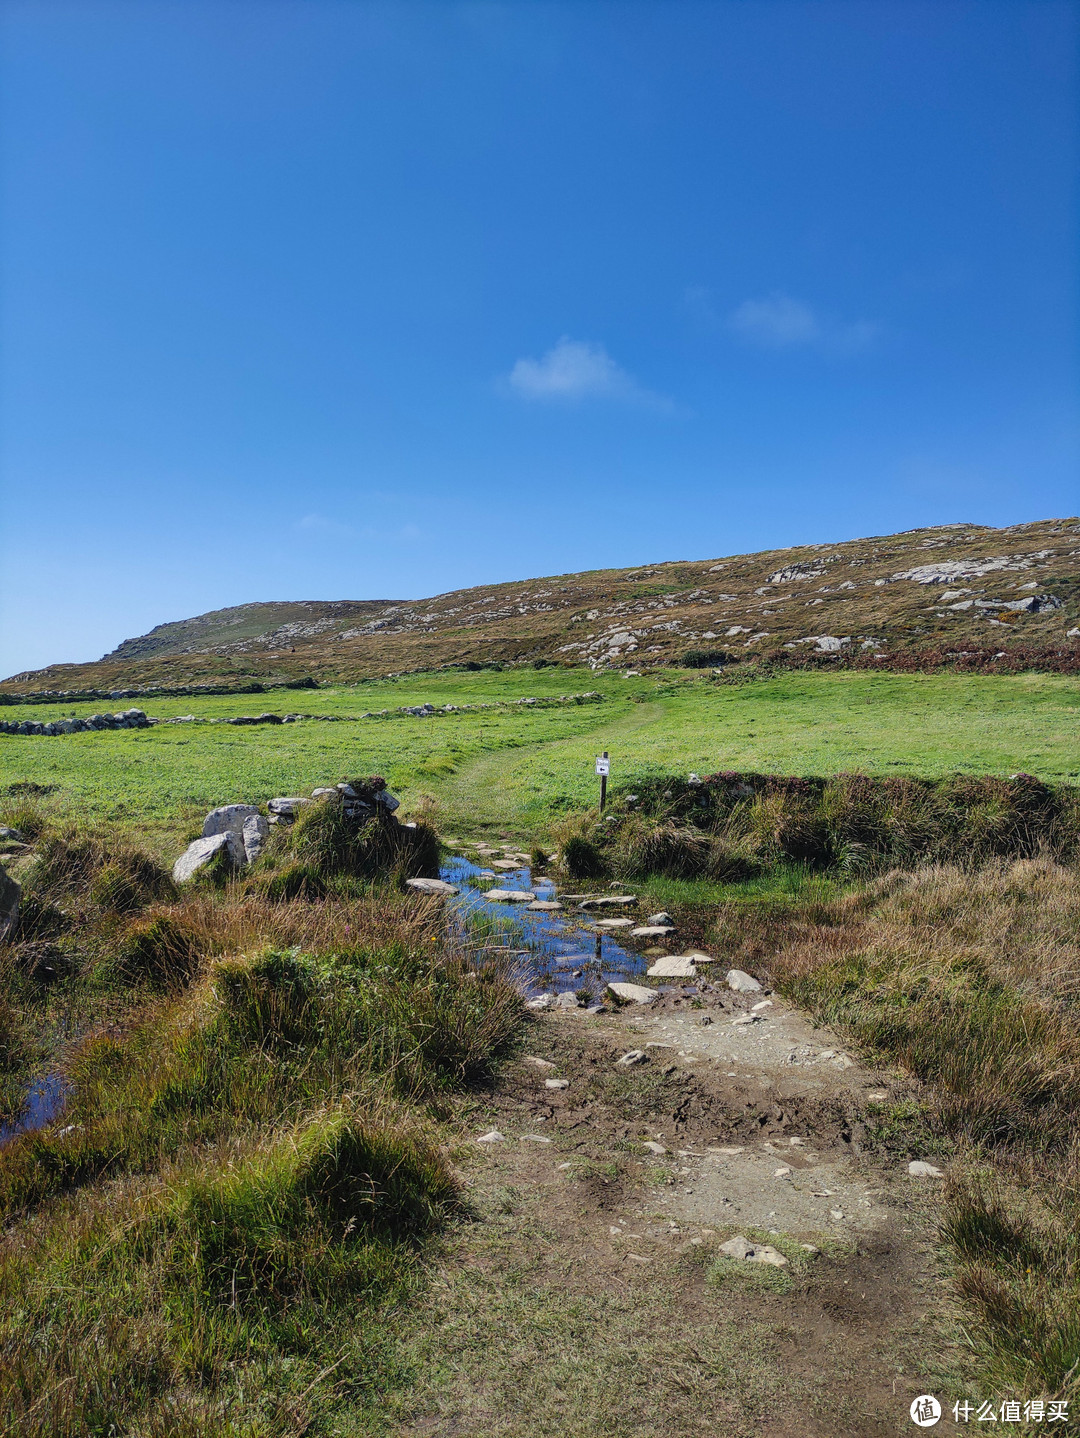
{"x": 597, "y": 1290}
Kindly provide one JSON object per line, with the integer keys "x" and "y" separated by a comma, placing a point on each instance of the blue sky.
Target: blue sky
{"x": 347, "y": 300}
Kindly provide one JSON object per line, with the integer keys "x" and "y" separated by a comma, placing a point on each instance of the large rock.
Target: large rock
{"x": 197, "y": 855}
{"x": 511, "y": 896}
{"x": 633, "y": 993}
{"x": 663, "y": 917}
{"x": 676, "y": 966}
{"x": 742, "y": 983}
{"x": 253, "y": 836}
{"x": 431, "y": 886}
{"x": 10, "y": 894}
{"x": 230, "y": 818}
{"x": 288, "y": 806}
{"x": 387, "y": 800}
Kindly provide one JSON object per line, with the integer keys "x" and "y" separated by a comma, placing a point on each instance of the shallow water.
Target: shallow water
{"x": 43, "y": 1101}
{"x": 551, "y": 939}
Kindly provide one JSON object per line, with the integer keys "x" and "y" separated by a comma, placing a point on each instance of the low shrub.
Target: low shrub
{"x": 329, "y": 842}
{"x": 162, "y": 952}
{"x": 112, "y": 874}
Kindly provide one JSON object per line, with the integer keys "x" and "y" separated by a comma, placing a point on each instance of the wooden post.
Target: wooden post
{"x": 603, "y": 786}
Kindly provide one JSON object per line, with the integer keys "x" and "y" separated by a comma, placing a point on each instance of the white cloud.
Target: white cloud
{"x": 780, "y": 322}
{"x": 579, "y": 369}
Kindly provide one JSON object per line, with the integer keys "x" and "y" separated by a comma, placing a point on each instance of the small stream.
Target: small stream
{"x": 43, "y": 1101}
{"x": 566, "y": 953}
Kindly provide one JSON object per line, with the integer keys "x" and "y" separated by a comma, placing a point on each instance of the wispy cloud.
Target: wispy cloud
{"x": 780, "y": 322}
{"x": 319, "y": 524}
{"x": 580, "y": 369}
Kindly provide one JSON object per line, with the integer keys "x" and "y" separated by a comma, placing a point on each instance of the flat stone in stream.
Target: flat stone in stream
{"x": 613, "y": 924}
{"x": 651, "y": 931}
{"x": 511, "y": 896}
{"x": 431, "y": 886}
{"x": 608, "y": 901}
{"x": 546, "y": 906}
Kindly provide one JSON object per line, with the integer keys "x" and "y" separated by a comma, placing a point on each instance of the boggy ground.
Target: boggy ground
{"x": 587, "y": 1295}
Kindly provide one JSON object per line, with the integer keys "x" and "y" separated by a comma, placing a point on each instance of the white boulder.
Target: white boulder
{"x": 197, "y": 855}
{"x": 742, "y": 983}
{"x": 230, "y": 818}
{"x": 253, "y": 836}
{"x": 511, "y": 896}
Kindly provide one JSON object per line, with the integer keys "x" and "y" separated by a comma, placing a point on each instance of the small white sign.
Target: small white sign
{"x": 603, "y": 766}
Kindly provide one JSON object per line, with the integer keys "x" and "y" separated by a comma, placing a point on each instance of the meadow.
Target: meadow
{"x": 236, "y": 1226}
{"x": 517, "y": 769}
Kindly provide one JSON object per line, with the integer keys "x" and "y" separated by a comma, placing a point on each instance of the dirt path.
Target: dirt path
{"x": 589, "y": 1295}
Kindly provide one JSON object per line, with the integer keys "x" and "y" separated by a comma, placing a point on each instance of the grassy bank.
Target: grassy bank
{"x": 218, "y": 1234}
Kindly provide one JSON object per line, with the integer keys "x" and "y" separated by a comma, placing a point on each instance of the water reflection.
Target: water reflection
{"x": 566, "y": 953}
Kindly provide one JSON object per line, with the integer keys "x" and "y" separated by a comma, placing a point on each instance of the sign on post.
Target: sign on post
{"x": 603, "y": 768}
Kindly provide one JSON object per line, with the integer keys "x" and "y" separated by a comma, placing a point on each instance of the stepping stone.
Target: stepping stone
{"x": 504, "y": 864}
{"x": 614, "y": 924}
{"x": 431, "y": 886}
{"x": 546, "y": 906}
{"x": 633, "y": 993}
{"x": 609, "y": 901}
{"x": 510, "y": 896}
{"x": 675, "y": 967}
{"x": 651, "y": 931}
{"x": 662, "y": 918}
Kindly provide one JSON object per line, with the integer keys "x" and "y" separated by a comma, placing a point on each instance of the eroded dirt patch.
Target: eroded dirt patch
{"x": 587, "y": 1295}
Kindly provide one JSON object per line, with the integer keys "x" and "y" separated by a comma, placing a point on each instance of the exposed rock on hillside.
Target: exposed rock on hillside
{"x": 960, "y": 586}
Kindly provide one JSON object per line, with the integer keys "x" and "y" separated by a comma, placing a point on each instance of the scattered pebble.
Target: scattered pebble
{"x": 556, "y": 1083}
{"x": 635, "y": 1056}
{"x": 651, "y": 1146}
{"x": 539, "y": 1063}
{"x": 534, "y": 1138}
{"x": 493, "y": 1137}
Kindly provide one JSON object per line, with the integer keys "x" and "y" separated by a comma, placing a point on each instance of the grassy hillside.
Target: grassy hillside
{"x": 518, "y": 767}
{"x": 948, "y": 593}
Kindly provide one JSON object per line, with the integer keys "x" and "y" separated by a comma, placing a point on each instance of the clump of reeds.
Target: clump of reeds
{"x": 740, "y": 824}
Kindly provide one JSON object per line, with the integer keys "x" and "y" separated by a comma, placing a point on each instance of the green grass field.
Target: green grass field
{"x": 517, "y": 769}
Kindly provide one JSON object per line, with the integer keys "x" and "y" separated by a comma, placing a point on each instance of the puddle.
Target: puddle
{"x": 43, "y": 1101}
{"x": 552, "y": 939}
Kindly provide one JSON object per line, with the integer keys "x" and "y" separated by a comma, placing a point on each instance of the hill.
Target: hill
{"x": 951, "y": 593}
